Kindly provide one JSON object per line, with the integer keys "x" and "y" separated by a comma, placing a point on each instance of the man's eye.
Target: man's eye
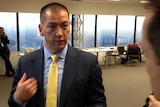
{"x": 65, "y": 25}
{"x": 51, "y": 26}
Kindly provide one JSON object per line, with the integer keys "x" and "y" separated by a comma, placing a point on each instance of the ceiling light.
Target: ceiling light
{"x": 114, "y": 0}
{"x": 144, "y": 1}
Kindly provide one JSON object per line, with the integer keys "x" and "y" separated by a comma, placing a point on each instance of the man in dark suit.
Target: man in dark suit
{"x": 79, "y": 74}
{"x": 4, "y": 52}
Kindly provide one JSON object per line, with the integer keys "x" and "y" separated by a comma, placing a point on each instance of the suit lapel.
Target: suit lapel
{"x": 38, "y": 63}
{"x": 68, "y": 74}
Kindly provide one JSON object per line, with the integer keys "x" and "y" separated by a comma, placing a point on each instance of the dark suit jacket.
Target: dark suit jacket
{"x": 81, "y": 83}
{"x": 5, "y": 41}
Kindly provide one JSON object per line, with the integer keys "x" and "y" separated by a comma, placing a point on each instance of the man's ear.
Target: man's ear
{"x": 40, "y": 29}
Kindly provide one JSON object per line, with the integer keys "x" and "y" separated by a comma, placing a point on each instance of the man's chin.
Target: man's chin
{"x": 60, "y": 46}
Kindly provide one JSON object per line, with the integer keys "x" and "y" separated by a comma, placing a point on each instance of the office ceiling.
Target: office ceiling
{"x": 113, "y": 1}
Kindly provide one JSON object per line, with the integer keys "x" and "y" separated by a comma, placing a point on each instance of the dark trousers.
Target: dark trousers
{"x": 8, "y": 64}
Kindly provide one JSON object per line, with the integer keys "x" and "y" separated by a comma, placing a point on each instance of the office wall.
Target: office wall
{"x": 14, "y": 57}
{"x": 75, "y": 7}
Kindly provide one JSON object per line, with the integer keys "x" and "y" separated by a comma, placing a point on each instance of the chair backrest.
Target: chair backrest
{"x": 130, "y": 45}
{"x": 120, "y": 49}
{"x": 133, "y": 50}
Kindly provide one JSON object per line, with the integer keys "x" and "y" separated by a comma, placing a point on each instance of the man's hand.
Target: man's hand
{"x": 153, "y": 102}
{"x": 26, "y": 89}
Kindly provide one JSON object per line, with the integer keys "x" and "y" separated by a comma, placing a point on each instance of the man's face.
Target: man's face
{"x": 152, "y": 67}
{"x": 56, "y": 30}
{"x": 151, "y": 63}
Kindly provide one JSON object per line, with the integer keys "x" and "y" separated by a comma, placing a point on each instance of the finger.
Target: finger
{"x": 152, "y": 98}
{"x": 31, "y": 83}
{"x": 33, "y": 90}
{"x": 23, "y": 79}
{"x": 31, "y": 86}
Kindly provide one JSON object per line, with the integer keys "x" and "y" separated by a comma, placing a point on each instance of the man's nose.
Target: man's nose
{"x": 59, "y": 31}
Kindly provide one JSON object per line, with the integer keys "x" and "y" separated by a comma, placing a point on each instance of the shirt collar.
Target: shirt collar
{"x": 61, "y": 54}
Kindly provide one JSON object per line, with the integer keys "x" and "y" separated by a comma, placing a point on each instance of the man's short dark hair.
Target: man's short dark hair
{"x": 55, "y": 7}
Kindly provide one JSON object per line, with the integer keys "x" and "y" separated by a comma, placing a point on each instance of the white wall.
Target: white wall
{"x": 14, "y": 57}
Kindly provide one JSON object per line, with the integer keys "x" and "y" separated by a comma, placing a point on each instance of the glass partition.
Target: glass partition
{"x": 125, "y": 30}
{"x": 139, "y": 23}
{"x": 28, "y": 31}
{"x": 89, "y": 31}
{"x": 9, "y": 22}
{"x": 106, "y": 28}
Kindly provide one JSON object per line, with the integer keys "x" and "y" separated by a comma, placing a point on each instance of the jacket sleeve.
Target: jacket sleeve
{"x": 96, "y": 88}
{"x": 11, "y": 101}
{"x": 5, "y": 40}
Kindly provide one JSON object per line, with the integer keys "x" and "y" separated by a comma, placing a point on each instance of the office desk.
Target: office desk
{"x": 107, "y": 50}
{"x": 95, "y": 50}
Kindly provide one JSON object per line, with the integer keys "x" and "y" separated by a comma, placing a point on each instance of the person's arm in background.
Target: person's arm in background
{"x": 5, "y": 38}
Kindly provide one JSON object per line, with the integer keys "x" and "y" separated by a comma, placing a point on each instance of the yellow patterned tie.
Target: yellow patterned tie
{"x": 52, "y": 87}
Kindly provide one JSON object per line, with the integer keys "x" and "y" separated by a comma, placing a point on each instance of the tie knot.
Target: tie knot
{"x": 54, "y": 58}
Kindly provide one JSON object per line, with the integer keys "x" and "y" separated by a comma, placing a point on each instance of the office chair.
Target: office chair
{"x": 122, "y": 54}
{"x": 133, "y": 53}
{"x": 130, "y": 45}
{"x": 120, "y": 50}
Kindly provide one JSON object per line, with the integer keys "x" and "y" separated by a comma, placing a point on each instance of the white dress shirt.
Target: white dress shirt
{"x": 60, "y": 63}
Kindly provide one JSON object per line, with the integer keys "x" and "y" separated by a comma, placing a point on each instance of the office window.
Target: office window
{"x": 125, "y": 33}
{"x": 70, "y": 36}
{"x": 8, "y": 21}
{"x": 89, "y": 31}
{"x": 139, "y": 23}
{"x": 28, "y": 31}
{"x": 106, "y": 25}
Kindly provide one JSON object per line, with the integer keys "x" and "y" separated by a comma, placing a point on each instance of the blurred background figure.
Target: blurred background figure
{"x": 5, "y": 53}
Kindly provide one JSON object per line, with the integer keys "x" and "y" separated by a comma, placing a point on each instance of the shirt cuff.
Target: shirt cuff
{"x": 19, "y": 102}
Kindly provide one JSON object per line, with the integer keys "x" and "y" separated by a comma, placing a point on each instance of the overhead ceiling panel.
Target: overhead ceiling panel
{"x": 112, "y": 1}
